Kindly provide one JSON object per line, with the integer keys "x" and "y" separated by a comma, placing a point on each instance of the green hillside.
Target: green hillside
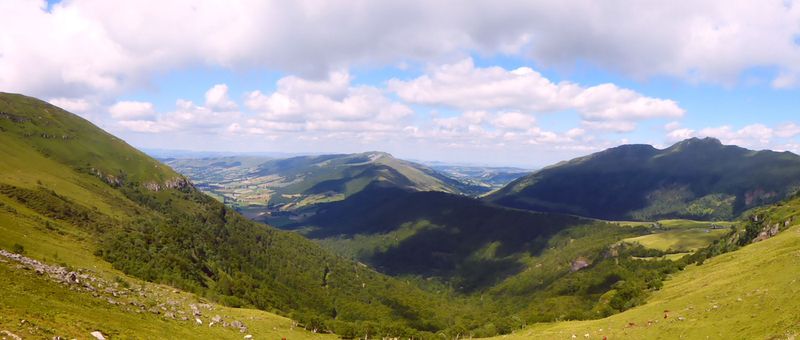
{"x": 749, "y": 293}
{"x": 521, "y": 266}
{"x": 696, "y": 179}
{"x": 76, "y": 195}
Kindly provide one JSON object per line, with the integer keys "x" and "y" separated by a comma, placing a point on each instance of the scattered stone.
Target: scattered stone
{"x": 195, "y": 311}
{"x": 10, "y": 335}
{"x": 248, "y": 336}
{"x": 97, "y": 335}
{"x": 198, "y": 321}
{"x": 680, "y": 318}
{"x": 238, "y": 324}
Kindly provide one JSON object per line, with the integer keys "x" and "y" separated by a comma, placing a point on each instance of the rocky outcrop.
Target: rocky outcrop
{"x": 770, "y": 229}
{"x": 579, "y": 263}
{"x": 177, "y": 183}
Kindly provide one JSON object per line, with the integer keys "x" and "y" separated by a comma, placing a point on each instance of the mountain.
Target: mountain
{"x": 75, "y": 196}
{"x": 294, "y": 182}
{"x": 695, "y": 178}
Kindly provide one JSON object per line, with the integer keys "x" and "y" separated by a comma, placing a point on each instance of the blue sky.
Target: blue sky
{"x": 502, "y": 83}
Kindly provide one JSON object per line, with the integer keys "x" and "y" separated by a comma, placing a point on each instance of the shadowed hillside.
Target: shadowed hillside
{"x": 696, "y": 178}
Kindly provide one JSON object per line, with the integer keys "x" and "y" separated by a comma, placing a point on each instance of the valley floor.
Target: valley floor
{"x": 751, "y": 293}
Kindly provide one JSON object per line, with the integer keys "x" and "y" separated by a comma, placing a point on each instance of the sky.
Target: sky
{"x": 522, "y": 83}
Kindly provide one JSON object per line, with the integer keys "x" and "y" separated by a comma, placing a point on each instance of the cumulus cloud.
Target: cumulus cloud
{"x": 788, "y": 130}
{"x": 88, "y": 46}
{"x": 217, "y": 113}
{"x": 464, "y": 86}
{"x": 514, "y": 121}
{"x": 217, "y": 98}
{"x": 607, "y": 102}
{"x": 132, "y": 110}
{"x": 331, "y": 104}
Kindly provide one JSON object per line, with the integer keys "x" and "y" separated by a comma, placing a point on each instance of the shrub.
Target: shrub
{"x": 18, "y": 248}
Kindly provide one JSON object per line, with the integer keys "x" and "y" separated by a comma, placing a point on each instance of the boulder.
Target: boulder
{"x": 579, "y": 263}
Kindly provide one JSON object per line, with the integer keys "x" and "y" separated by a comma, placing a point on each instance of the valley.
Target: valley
{"x": 399, "y": 170}
{"x": 370, "y": 245}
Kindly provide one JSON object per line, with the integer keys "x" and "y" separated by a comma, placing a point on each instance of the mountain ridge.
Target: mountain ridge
{"x": 695, "y": 178}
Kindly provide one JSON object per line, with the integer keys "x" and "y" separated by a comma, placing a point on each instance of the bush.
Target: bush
{"x": 18, "y": 248}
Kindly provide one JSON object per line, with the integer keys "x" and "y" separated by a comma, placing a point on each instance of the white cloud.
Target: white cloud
{"x": 332, "y": 104}
{"x": 788, "y": 130}
{"x": 680, "y": 134}
{"x": 89, "y": 46}
{"x": 514, "y": 121}
{"x": 217, "y": 98}
{"x": 750, "y": 135}
{"x": 608, "y": 102}
{"x": 216, "y": 114}
{"x": 132, "y": 110}
{"x": 464, "y": 86}
{"x": 610, "y": 126}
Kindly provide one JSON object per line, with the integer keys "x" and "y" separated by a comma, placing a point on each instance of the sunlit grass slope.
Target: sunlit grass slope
{"x": 751, "y": 293}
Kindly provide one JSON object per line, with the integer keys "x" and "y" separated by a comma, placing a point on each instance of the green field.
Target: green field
{"x": 752, "y": 293}
{"x": 678, "y": 235}
{"x": 679, "y": 240}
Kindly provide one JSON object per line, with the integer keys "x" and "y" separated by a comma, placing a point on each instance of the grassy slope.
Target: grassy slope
{"x": 50, "y": 153}
{"x": 50, "y": 309}
{"x": 752, "y": 293}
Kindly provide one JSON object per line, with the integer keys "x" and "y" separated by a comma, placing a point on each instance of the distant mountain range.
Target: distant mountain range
{"x": 291, "y": 183}
{"x": 695, "y": 178}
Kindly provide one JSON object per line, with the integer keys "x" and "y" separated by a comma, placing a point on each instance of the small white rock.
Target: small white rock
{"x": 97, "y": 335}
{"x": 248, "y": 336}
{"x": 199, "y": 322}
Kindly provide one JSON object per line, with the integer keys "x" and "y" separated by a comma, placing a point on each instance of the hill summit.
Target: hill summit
{"x": 695, "y": 178}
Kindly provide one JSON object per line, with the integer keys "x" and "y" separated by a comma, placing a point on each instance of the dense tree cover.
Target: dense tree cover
{"x": 696, "y": 179}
